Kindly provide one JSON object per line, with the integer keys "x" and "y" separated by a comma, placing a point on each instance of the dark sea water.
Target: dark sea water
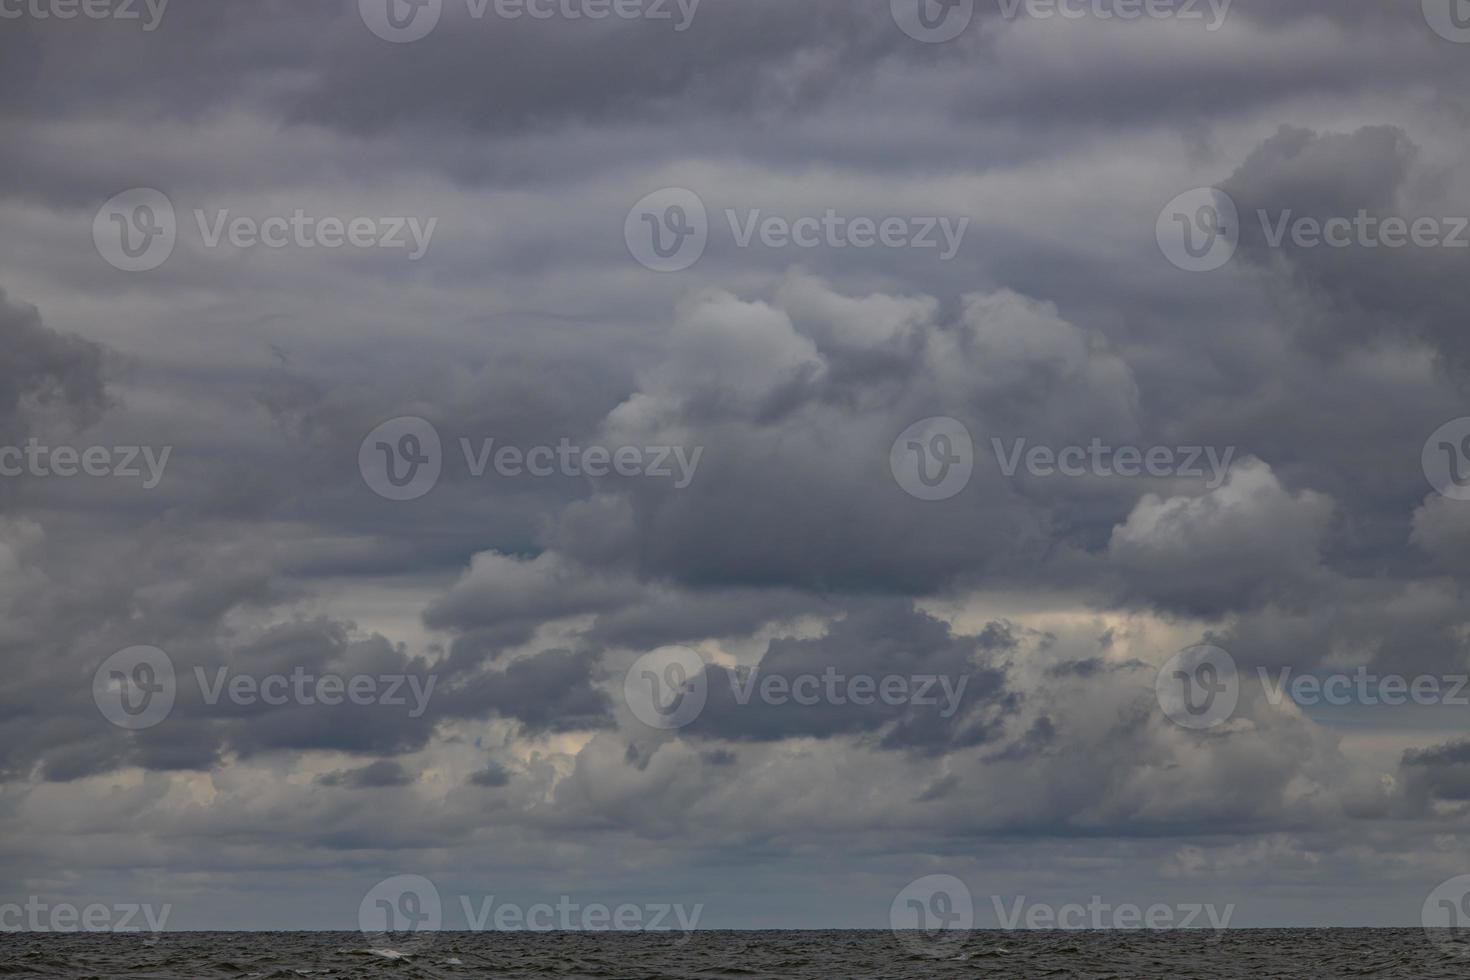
{"x": 1249, "y": 954}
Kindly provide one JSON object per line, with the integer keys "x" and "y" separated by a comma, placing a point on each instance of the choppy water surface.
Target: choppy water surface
{"x": 1251, "y": 954}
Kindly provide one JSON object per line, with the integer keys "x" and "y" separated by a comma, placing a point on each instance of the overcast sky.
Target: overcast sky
{"x": 560, "y": 239}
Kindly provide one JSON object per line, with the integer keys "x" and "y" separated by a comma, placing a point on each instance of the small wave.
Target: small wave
{"x": 390, "y": 954}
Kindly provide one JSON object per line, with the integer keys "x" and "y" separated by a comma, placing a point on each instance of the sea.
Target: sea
{"x": 1245, "y": 954}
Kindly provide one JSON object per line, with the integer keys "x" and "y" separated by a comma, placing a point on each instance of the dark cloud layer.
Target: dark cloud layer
{"x": 515, "y": 605}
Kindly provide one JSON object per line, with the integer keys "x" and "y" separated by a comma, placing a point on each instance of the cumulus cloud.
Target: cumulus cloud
{"x": 1248, "y": 542}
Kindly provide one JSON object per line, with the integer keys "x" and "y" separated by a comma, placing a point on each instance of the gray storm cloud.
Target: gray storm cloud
{"x": 510, "y": 609}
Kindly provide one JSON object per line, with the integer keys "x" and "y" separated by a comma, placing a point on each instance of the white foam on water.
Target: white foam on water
{"x": 391, "y": 954}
